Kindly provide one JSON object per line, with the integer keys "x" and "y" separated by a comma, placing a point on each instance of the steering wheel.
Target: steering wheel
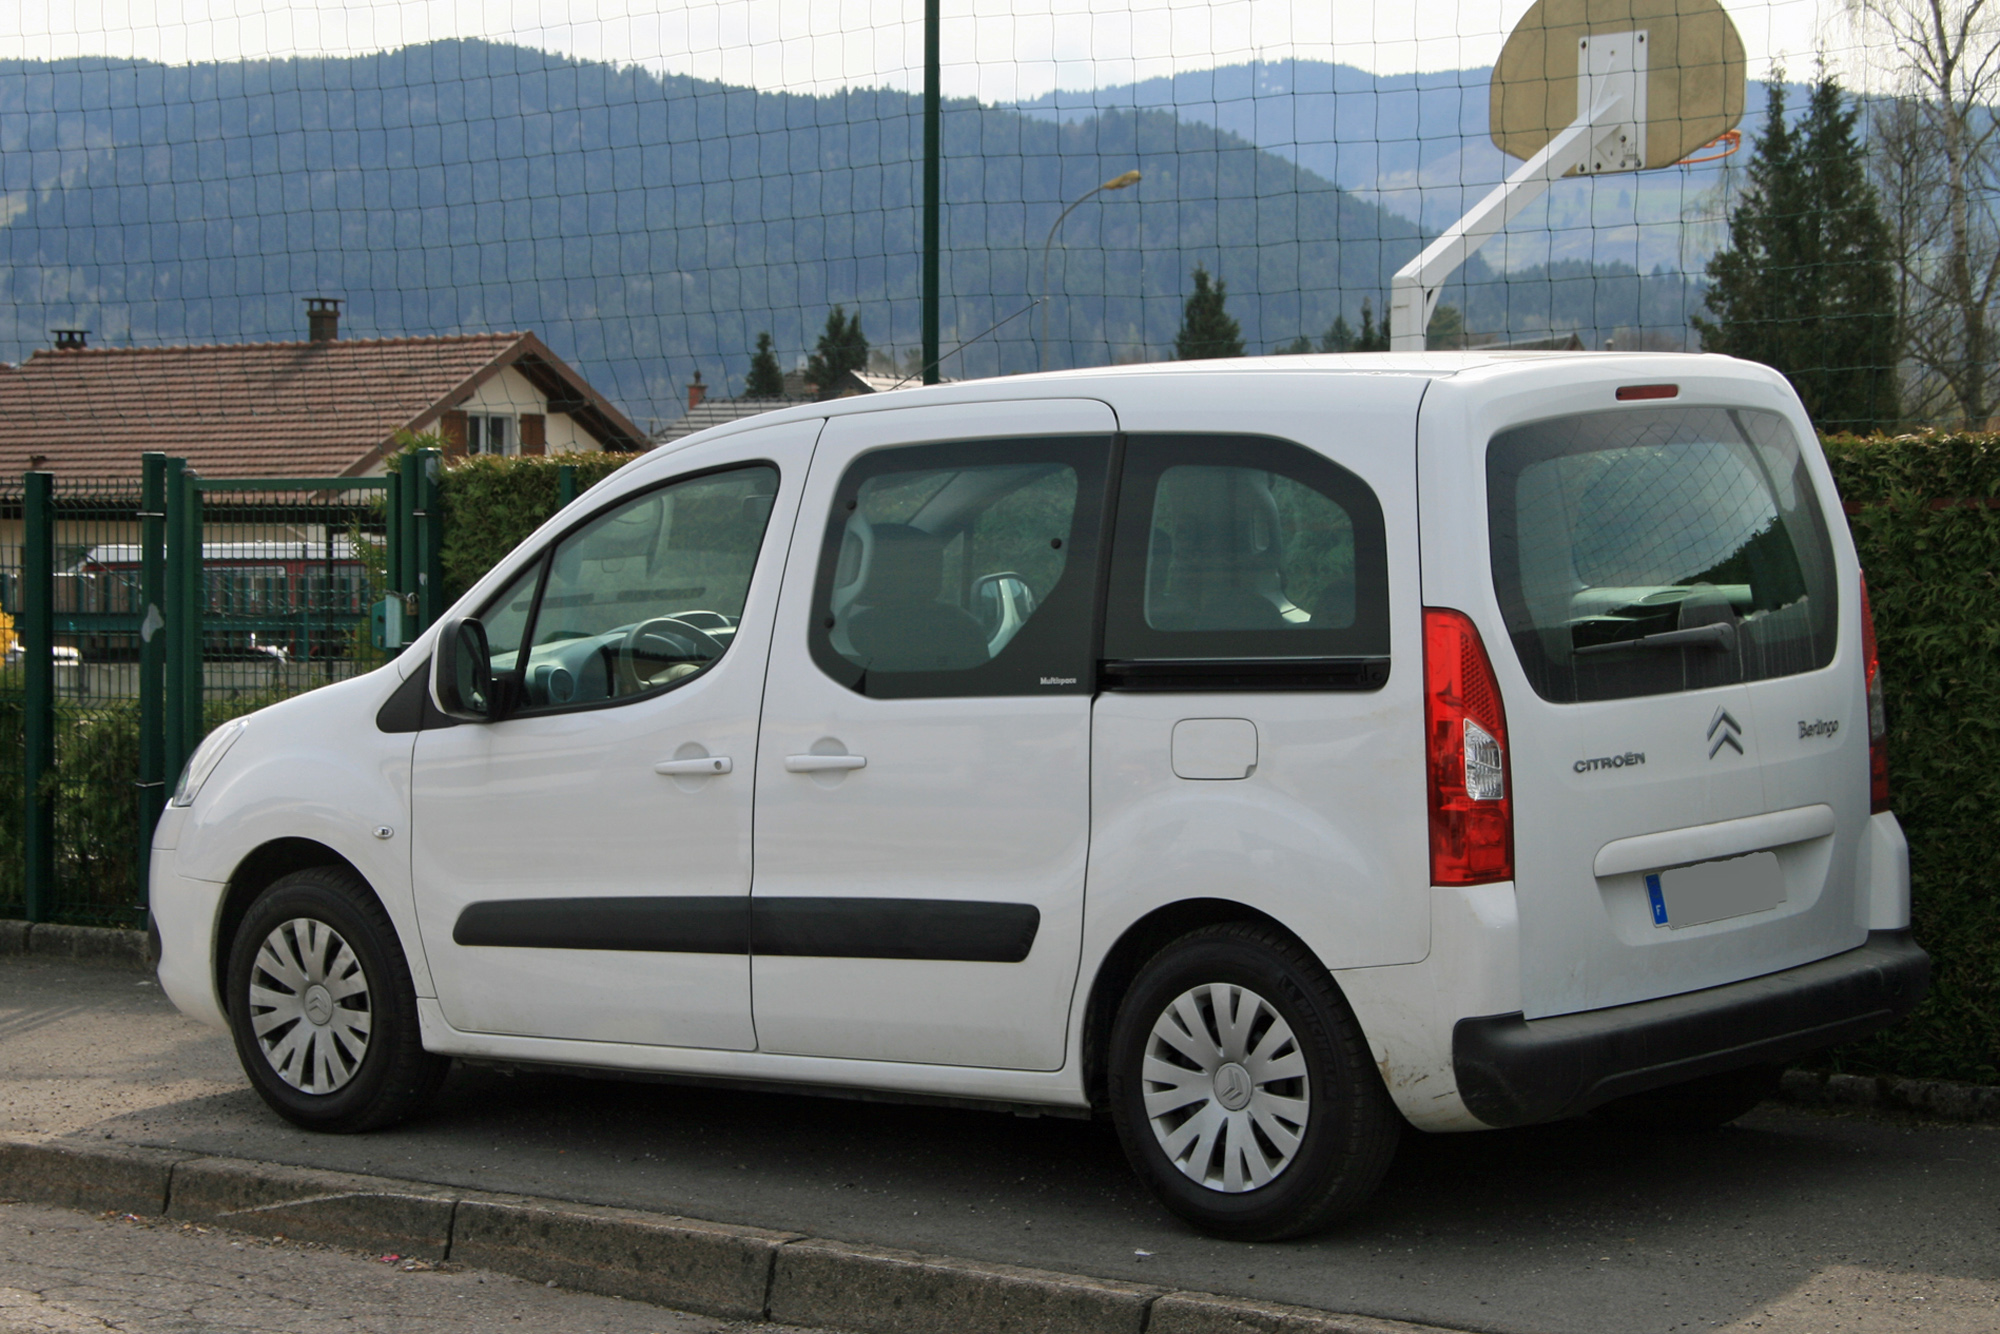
{"x": 705, "y": 620}
{"x": 663, "y": 637}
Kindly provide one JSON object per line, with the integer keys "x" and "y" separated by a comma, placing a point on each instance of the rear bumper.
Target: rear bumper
{"x": 1513, "y": 1071}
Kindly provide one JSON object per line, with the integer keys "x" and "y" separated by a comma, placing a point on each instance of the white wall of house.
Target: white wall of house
{"x": 510, "y": 393}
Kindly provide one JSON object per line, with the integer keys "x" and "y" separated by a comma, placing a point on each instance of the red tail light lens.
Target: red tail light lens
{"x": 1878, "y": 716}
{"x": 1465, "y": 730}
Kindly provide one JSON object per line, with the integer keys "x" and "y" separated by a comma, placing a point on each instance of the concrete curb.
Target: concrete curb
{"x": 735, "y": 1272}
{"x": 882, "y": 1291}
{"x": 90, "y": 944}
{"x": 1927, "y": 1097}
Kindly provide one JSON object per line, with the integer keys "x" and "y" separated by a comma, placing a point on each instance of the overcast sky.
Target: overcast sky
{"x": 997, "y": 50}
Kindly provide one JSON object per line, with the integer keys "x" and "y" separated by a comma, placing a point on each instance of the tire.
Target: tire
{"x": 1311, "y": 1131}
{"x": 343, "y": 1052}
{"x": 1700, "y": 1104}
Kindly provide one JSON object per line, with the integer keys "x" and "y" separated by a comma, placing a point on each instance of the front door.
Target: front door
{"x": 923, "y": 779}
{"x": 582, "y": 868}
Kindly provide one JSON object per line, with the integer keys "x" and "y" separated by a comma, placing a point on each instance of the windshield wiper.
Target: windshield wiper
{"x": 1721, "y": 635}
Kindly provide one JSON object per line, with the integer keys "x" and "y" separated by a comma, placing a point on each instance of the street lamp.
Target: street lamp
{"x": 1115, "y": 183}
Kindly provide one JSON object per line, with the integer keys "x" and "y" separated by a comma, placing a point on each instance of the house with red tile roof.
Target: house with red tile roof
{"x": 323, "y": 407}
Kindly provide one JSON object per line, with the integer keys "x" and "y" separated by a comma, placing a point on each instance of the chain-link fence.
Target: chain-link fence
{"x": 687, "y": 193}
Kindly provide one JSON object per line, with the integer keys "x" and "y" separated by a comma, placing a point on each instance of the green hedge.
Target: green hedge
{"x": 490, "y": 504}
{"x": 1930, "y": 543}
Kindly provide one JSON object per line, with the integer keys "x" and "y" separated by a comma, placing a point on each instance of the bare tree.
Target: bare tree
{"x": 1937, "y": 164}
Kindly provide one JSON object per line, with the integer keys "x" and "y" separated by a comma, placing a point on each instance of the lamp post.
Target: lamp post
{"x": 1115, "y": 183}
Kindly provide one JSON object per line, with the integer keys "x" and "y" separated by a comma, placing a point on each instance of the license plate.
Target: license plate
{"x": 1711, "y": 891}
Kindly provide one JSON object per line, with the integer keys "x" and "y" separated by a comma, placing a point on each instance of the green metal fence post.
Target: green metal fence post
{"x": 152, "y": 653}
{"x": 190, "y": 610}
{"x": 392, "y": 532}
{"x": 933, "y": 187}
{"x": 410, "y": 499}
{"x": 36, "y": 628}
{"x": 175, "y": 742}
{"x": 428, "y": 511}
{"x": 565, "y": 485}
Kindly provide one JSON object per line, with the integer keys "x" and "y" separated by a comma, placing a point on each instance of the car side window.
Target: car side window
{"x": 1235, "y": 548}
{"x": 639, "y": 598}
{"x": 962, "y": 569}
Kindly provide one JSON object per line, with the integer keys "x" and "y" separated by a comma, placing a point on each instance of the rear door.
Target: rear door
{"x": 1661, "y": 600}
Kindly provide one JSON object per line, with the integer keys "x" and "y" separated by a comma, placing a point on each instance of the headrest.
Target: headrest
{"x": 908, "y": 566}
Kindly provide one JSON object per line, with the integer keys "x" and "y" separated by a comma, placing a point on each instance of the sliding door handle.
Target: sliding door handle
{"x": 819, "y": 764}
{"x": 702, "y": 766}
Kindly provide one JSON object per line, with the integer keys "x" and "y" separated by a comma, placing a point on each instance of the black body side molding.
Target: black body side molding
{"x": 825, "y": 928}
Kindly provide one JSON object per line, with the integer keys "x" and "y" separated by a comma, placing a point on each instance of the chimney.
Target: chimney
{"x": 71, "y": 340}
{"x": 322, "y": 319}
{"x": 696, "y": 392}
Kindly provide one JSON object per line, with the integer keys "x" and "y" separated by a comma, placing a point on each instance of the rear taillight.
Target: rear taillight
{"x": 1878, "y": 716}
{"x": 1465, "y": 730}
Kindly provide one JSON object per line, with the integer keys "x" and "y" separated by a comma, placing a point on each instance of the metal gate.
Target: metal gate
{"x": 138, "y": 619}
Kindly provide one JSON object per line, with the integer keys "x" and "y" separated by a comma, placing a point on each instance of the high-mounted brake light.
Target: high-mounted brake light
{"x": 1465, "y": 733}
{"x": 1878, "y": 715}
{"x": 1628, "y": 392}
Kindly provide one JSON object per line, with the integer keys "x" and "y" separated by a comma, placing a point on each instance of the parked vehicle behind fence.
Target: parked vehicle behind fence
{"x": 1259, "y": 753}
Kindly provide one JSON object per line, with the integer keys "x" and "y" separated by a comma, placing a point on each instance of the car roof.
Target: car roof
{"x": 1106, "y": 381}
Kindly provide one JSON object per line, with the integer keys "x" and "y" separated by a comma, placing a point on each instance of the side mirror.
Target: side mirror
{"x": 462, "y": 683}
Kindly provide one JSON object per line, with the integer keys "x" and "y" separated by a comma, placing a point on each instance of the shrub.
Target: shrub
{"x": 1920, "y": 508}
{"x": 490, "y": 504}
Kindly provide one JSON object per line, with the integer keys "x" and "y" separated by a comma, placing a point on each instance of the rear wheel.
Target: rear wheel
{"x": 1699, "y": 1104}
{"x": 322, "y": 1009}
{"x": 1242, "y": 1090}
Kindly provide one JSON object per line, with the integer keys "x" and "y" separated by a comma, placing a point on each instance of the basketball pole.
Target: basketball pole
{"x": 1608, "y": 134}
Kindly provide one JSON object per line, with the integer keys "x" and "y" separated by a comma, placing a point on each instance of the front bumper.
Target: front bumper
{"x": 1513, "y": 1071}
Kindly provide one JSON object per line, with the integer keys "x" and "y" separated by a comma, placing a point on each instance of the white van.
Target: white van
{"x": 1262, "y": 753}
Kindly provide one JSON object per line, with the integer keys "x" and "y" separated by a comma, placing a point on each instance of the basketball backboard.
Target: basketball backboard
{"x": 1695, "y": 74}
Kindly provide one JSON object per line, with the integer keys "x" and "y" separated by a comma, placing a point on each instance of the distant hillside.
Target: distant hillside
{"x": 648, "y": 226}
{"x": 1419, "y": 144}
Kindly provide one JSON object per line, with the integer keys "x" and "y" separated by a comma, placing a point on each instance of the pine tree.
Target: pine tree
{"x": 1339, "y": 336}
{"x": 1296, "y": 347}
{"x": 842, "y": 348}
{"x": 765, "y": 380}
{"x": 1373, "y": 337}
{"x": 1447, "y": 329}
{"x": 1207, "y": 330}
{"x": 1805, "y": 284}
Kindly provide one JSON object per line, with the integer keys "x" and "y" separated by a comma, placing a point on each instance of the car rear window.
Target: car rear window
{"x": 1643, "y": 552}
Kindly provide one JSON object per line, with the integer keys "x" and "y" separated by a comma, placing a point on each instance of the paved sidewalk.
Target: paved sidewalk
{"x": 1793, "y": 1221}
{"x": 72, "y": 1273}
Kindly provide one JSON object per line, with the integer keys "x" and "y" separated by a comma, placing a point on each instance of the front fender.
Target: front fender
{"x": 315, "y": 767}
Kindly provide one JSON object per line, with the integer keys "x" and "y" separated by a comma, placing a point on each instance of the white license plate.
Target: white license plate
{"x": 1711, "y": 891}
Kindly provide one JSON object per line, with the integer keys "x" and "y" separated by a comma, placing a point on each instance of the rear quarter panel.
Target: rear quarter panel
{"x": 1328, "y": 835}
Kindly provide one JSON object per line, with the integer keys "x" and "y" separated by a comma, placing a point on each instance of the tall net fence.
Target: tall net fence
{"x": 652, "y": 189}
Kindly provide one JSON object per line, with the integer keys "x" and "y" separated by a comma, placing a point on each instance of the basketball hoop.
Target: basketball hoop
{"x": 1728, "y": 142}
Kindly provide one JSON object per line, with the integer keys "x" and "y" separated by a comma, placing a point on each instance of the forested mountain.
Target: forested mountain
{"x": 1419, "y": 144}
{"x": 647, "y": 226}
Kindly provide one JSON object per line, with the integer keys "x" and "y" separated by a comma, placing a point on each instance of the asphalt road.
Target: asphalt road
{"x": 70, "y": 1273}
{"x": 1789, "y": 1221}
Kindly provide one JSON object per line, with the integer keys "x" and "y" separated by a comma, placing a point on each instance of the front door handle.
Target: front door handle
{"x": 702, "y": 766}
{"x": 819, "y": 764}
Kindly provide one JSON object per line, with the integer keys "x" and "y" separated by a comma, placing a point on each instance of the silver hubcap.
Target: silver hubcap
{"x": 309, "y": 1006}
{"x": 1225, "y": 1087}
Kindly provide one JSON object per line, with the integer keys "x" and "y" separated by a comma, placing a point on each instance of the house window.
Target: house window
{"x": 490, "y": 435}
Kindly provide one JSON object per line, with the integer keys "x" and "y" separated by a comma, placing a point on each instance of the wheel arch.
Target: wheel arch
{"x": 264, "y": 866}
{"x": 1141, "y": 941}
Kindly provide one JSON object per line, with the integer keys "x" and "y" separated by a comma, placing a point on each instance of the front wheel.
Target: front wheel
{"x": 322, "y": 1008}
{"x": 1242, "y": 1089}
